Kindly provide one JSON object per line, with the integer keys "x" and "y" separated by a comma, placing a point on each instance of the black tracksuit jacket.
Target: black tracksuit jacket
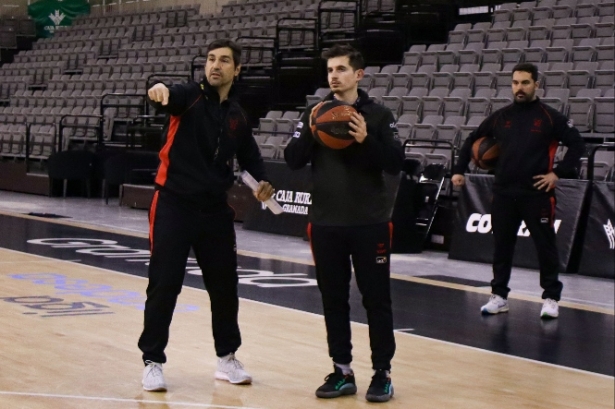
{"x": 348, "y": 186}
{"x": 528, "y": 135}
{"x": 196, "y": 164}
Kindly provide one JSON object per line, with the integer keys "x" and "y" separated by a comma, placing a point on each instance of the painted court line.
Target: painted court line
{"x": 409, "y": 334}
{"x": 103, "y": 399}
{"x": 481, "y": 290}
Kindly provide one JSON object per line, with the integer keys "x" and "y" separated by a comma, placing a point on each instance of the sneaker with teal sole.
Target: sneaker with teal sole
{"x": 337, "y": 384}
{"x": 381, "y": 388}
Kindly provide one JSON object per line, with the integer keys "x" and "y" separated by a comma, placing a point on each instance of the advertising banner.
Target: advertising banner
{"x": 50, "y": 14}
{"x": 472, "y": 239}
{"x": 292, "y": 192}
{"x": 598, "y": 258}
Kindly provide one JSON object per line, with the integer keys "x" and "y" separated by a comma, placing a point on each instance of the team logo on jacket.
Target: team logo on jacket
{"x": 508, "y": 124}
{"x": 233, "y": 124}
{"x": 610, "y": 234}
{"x": 537, "y": 125}
{"x": 381, "y": 260}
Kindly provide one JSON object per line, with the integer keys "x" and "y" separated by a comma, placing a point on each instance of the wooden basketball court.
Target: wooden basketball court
{"x": 63, "y": 346}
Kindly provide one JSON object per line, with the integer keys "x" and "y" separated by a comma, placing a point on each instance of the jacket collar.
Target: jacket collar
{"x": 362, "y": 101}
{"x": 212, "y": 93}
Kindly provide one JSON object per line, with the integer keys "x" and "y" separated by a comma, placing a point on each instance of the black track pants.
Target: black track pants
{"x": 370, "y": 250}
{"x": 174, "y": 229}
{"x": 538, "y": 212}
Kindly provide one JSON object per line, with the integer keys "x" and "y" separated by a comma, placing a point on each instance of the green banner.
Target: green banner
{"x": 49, "y": 14}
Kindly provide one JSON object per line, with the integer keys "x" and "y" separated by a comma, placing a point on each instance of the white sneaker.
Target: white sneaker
{"x": 495, "y": 305}
{"x": 550, "y": 309}
{"x": 231, "y": 370}
{"x": 153, "y": 379}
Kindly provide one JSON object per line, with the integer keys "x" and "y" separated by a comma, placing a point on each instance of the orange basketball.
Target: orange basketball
{"x": 485, "y": 152}
{"x": 330, "y": 124}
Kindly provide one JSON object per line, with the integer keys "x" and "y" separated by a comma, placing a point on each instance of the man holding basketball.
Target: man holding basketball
{"x": 528, "y": 133}
{"x": 205, "y": 130}
{"x": 350, "y": 220}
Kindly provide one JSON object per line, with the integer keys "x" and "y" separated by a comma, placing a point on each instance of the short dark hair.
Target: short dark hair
{"x": 355, "y": 58}
{"x": 224, "y": 43}
{"x": 527, "y": 67}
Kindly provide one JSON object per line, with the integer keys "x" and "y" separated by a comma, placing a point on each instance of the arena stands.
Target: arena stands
{"x": 84, "y": 87}
{"x": 469, "y": 77}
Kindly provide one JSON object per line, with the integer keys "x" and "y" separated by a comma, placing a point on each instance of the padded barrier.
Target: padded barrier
{"x": 598, "y": 258}
{"x": 472, "y": 239}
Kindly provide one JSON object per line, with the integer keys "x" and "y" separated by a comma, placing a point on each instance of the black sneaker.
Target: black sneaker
{"x": 381, "y": 388}
{"x": 337, "y": 384}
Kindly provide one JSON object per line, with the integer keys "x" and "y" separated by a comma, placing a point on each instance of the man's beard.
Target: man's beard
{"x": 527, "y": 97}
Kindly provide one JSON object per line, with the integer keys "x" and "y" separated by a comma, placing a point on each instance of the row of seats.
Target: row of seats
{"x": 573, "y": 76}
{"x": 591, "y": 110}
{"x": 176, "y": 16}
{"x": 13, "y": 137}
{"x": 238, "y": 8}
{"x": 78, "y": 95}
{"x": 536, "y": 51}
{"x": 569, "y": 27}
{"x": 546, "y": 9}
{"x": 42, "y": 125}
{"x": 93, "y": 33}
{"x": 338, "y": 16}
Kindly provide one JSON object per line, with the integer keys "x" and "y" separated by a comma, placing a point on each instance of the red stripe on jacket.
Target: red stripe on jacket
{"x": 161, "y": 177}
{"x": 152, "y": 219}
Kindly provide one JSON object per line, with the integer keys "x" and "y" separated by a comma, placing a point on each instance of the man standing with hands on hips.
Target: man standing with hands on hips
{"x": 205, "y": 130}
{"x": 350, "y": 219}
{"x": 528, "y": 133}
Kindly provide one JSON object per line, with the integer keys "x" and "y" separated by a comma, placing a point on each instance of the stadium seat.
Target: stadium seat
{"x": 559, "y": 50}
{"x": 402, "y": 77}
{"x": 455, "y": 102}
{"x": 412, "y": 103}
{"x": 432, "y": 103}
{"x": 557, "y": 75}
{"x": 405, "y": 124}
{"x": 581, "y": 109}
{"x": 604, "y": 76}
{"x": 471, "y": 53}
{"x": 464, "y": 78}
{"x": 472, "y": 124}
{"x": 603, "y": 115}
{"x": 449, "y": 129}
{"x": 480, "y": 103}
{"x": 557, "y": 98}
{"x": 459, "y": 33}
{"x": 427, "y": 128}
{"x": 393, "y": 99}
{"x": 422, "y": 77}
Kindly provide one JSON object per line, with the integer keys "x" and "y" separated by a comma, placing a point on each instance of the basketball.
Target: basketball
{"x": 485, "y": 153}
{"x": 330, "y": 124}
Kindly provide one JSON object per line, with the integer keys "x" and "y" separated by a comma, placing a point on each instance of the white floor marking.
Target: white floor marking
{"x": 103, "y": 399}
